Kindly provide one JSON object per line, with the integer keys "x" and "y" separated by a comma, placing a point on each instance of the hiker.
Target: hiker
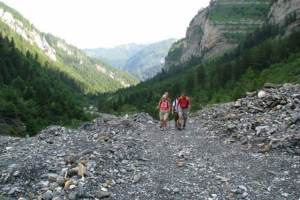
{"x": 164, "y": 109}
{"x": 175, "y": 112}
{"x": 184, "y": 106}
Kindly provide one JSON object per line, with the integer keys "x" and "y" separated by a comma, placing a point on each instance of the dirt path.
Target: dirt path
{"x": 192, "y": 164}
{"x": 132, "y": 159}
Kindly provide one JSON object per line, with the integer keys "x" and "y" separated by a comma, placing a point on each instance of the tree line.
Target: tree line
{"x": 32, "y": 95}
{"x": 222, "y": 79}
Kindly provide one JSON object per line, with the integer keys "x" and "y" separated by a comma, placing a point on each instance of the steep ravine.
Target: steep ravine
{"x": 248, "y": 149}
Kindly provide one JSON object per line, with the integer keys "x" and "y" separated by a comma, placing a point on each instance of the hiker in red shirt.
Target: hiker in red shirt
{"x": 164, "y": 109}
{"x": 184, "y": 106}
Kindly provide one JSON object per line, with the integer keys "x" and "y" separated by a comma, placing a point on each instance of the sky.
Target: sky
{"x": 108, "y": 23}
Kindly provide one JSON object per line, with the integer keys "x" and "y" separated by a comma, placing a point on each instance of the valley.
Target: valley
{"x": 228, "y": 151}
{"x": 83, "y": 124}
{"x": 142, "y": 61}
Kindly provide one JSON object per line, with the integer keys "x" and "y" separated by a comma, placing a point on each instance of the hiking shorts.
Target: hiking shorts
{"x": 183, "y": 113}
{"x": 163, "y": 115}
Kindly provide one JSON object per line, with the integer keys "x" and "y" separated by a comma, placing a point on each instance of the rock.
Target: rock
{"x": 72, "y": 196}
{"x": 284, "y": 194}
{"x": 261, "y": 94}
{"x": 136, "y": 178}
{"x": 245, "y": 194}
{"x": 262, "y": 130}
{"x": 8, "y": 148}
{"x": 47, "y": 195}
{"x": 180, "y": 163}
{"x": 70, "y": 159}
{"x": 242, "y": 187}
{"x": 52, "y": 177}
{"x": 13, "y": 190}
{"x": 102, "y": 194}
{"x": 238, "y": 104}
{"x": 222, "y": 178}
{"x": 176, "y": 190}
{"x": 60, "y": 181}
{"x": 295, "y": 118}
{"x": 72, "y": 187}
{"x": 16, "y": 173}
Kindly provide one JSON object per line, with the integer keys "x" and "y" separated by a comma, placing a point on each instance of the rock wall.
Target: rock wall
{"x": 33, "y": 36}
{"x": 286, "y": 13}
{"x": 218, "y": 28}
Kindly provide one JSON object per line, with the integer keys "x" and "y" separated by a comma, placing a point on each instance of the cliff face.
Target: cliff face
{"x": 218, "y": 28}
{"x": 204, "y": 38}
{"x": 285, "y": 13}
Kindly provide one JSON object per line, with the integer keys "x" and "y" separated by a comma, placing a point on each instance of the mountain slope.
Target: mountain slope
{"x": 149, "y": 61}
{"x": 33, "y": 96}
{"x": 143, "y": 61}
{"x": 91, "y": 75}
{"x": 116, "y": 56}
{"x": 218, "y": 28}
{"x": 268, "y": 54}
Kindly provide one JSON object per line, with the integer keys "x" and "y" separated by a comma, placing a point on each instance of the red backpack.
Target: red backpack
{"x": 184, "y": 102}
{"x": 164, "y": 105}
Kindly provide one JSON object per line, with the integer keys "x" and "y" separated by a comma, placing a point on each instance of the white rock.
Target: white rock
{"x": 262, "y": 94}
{"x": 8, "y": 148}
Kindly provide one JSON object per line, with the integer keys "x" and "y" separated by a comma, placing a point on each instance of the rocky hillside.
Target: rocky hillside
{"x": 286, "y": 14}
{"x": 248, "y": 149}
{"x": 142, "y": 61}
{"x": 218, "y": 28}
{"x": 91, "y": 75}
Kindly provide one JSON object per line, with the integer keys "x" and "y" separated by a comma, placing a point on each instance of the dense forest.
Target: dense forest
{"x": 261, "y": 57}
{"x": 33, "y": 96}
{"x": 90, "y": 75}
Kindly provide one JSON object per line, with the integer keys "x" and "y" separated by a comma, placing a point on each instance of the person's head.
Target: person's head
{"x": 164, "y": 97}
{"x": 182, "y": 94}
{"x": 166, "y": 93}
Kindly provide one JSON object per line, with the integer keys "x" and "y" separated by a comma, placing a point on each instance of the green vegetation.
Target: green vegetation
{"x": 36, "y": 91}
{"x": 261, "y": 57}
{"x": 95, "y": 75}
{"x": 90, "y": 75}
{"x": 33, "y": 96}
{"x": 175, "y": 50}
{"x": 223, "y": 12}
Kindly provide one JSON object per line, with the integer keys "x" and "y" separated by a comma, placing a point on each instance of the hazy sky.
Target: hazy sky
{"x": 107, "y": 23}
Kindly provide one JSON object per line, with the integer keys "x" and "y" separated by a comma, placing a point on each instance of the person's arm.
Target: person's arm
{"x": 158, "y": 105}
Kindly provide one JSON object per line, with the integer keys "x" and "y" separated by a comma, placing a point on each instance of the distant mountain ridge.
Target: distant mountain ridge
{"x": 116, "y": 56}
{"x": 92, "y": 75}
{"x": 142, "y": 60}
